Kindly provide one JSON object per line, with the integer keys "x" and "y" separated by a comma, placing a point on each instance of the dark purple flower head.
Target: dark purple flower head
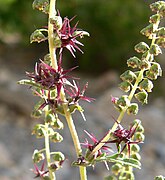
{"x": 40, "y": 172}
{"x": 123, "y": 135}
{"x": 76, "y": 94}
{"x": 50, "y": 78}
{"x": 90, "y": 146}
{"x": 68, "y": 36}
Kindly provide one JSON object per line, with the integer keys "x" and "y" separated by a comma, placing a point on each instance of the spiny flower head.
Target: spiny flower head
{"x": 40, "y": 172}
{"x": 68, "y": 35}
{"x": 50, "y": 78}
{"x": 124, "y": 135}
{"x": 77, "y": 94}
{"x": 90, "y": 146}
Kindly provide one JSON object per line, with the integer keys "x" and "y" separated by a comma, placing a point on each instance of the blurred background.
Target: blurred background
{"x": 114, "y": 26}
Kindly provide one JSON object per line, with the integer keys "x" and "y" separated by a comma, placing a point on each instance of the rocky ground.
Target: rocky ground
{"x": 17, "y": 144}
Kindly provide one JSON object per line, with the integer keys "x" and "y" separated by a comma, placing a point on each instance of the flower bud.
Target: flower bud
{"x": 135, "y": 148}
{"x": 144, "y": 65}
{"x": 151, "y": 75}
{"x": 148, "y": 31}
{"x": 57, "y": 124}
{"x": 156, "y": 69}
{"x": 58, "y": 156}
{"x": 47, "y": 59}
{"x": 155, "y": 7}
{"x": 136, "y": 121}
{"x": 161, "y": 42}
{"x": 155, "y": 50}
{"x": 136, "y": 156}
{"x": 133, "y": 109}
{"x": 128, "y": 76}
{"x": 127, "y": 175}
{"x": 159, "y": 178}
{"x": 55, "y": 166}
{"x": 142, "y": 47}
{"x": 36, "y": 113}
{"x": 37, "y": 36}
{"x": 139, "y": 136}
{"x": 142, "y": 97}
{"x": 37, "y": 156}
{"x": 60, "y": 109}
{"x": 133, "y": 62}
{"x": 123, "y": 101}
{"x": 116, "y": 168}
{"x": 49, "y": 118}
{"x": 140, "y": 128}
{"x": 154, "y": 18}
{"x": 147, "y": 56}
{"x": 56, "y": 137}
{"x": 57, "y": 22}
{"x": 41, "y": 5}
{"x": 124, "y": 86}
{"x": 146, "y": 84}
{"x": 161, "y": 32}
{"x": 57, "y": 42}
{"x": 38, "y": 130}
{"x": 162, "y": 10}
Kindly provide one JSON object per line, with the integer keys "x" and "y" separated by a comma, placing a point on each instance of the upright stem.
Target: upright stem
{"x": 52, "y": 48}
{"x": 52, "y": 51}
{"x": 47, "y": 149}
{"x": 74, "y": 135}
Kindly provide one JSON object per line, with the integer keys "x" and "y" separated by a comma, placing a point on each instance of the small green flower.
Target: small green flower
{"x": 142, "y": 47}
{"x": 133, "y": 62}
{"x": 128, "y": 76}
{"x": 142, "y": 96}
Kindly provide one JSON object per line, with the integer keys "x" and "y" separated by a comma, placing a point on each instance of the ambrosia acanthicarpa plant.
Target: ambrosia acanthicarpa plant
{"x": 60, "y": 94}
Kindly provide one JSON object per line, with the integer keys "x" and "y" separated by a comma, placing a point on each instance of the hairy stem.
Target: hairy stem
{"x": 52, "y": 50}
{"x": 122, "y": 113}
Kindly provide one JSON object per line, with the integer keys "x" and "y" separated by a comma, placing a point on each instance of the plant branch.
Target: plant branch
{"x": 122, "y": 113}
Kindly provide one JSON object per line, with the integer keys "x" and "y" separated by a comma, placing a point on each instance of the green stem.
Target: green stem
{"x": 47, "y": 149}
{"x": 122, "y": 113}
{"x": 52, "y": 51}
{"x": 52, "y": 48}
{"x": 72, "y": 128}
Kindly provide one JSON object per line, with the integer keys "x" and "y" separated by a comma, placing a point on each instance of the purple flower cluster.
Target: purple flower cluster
{"x": 50, "y": 79}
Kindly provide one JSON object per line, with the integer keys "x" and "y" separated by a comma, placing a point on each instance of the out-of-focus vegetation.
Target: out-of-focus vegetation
{"x": 114, "y": 27}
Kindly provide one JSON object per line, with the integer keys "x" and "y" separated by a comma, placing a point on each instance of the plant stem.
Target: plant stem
{"x": 52, "y": 48}
{"x": 72, "y": 128}
{"x": 47, "y": 149}
{"x": 52, "y": 51}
